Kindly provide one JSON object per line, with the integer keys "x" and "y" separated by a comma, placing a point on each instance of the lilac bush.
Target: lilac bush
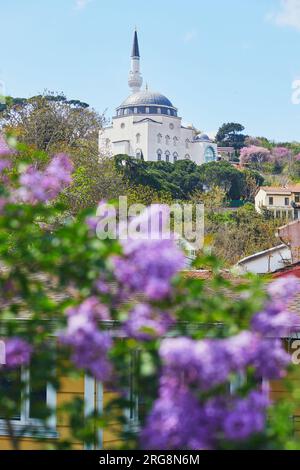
{"x": 204, "y": 348}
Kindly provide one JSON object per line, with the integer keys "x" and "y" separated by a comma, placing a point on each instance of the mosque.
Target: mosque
{"x": 147, "y": 126}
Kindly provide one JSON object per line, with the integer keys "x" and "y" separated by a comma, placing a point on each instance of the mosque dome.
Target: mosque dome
{"x": 146, "y": 102}
{"x": 203, "y": 137}
{"x": 147, "y": 98}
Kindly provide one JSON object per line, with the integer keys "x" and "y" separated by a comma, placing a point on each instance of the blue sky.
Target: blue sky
{"x": 217, "y": 60}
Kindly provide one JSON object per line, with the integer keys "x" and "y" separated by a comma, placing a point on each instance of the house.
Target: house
{"x": 282, "y": 202}
{"x": 266, "y": 261}
{"x": 226, "y": 153}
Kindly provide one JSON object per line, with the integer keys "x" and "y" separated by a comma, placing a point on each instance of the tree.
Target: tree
{"x": 252, "y": 180}
{"x": 255, "y": 156}
{"x": 50, "y": 122}
{"x": 223, "y": 175}
{"x": 230, "y": 134}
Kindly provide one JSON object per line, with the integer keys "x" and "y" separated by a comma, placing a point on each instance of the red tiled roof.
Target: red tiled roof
{"x": 292, "y": 188}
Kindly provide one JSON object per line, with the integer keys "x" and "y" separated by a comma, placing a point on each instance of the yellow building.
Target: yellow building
{"x": 282, "y": 202}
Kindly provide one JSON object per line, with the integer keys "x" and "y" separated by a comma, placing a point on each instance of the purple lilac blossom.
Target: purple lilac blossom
{"x": 17, "y": 352}
{"x": 144, "y": 323}
{"x": 247, "y": 417}
{"x": 148, "y": 267}
{"x": 175, "y": 422}
{"x": 89, "y": 345}
{"x": 41, "y": 186}
{"x": 271, "y": 359}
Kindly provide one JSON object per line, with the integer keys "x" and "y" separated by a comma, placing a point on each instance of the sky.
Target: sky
{"x": 217, "y": 61}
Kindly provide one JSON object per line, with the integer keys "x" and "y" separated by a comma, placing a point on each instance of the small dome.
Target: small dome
{"x": 203, "y": 137}
{"x": 147, "y": 98}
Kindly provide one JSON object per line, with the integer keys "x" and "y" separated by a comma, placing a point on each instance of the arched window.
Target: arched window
{"x": 107, "y": 142}
{"x": 159, "y": 154}
{"x": 187, "y": 156}
{"x": 209, "y": 155}
{"x": 138, "y": 154}
{"x": 187, "y": 143}
{"x": 167, "y": 154}
{"x": 175, "y": 140}
{"x": 138, "y": 138}
{"x": 159, "y": 137}
{"x": 175, "y": 157}
{"x": 167, "y": 139}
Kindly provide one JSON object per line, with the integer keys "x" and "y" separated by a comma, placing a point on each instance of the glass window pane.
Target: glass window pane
{"x": 10, "y": 394}
{"x": 38, "y": 391}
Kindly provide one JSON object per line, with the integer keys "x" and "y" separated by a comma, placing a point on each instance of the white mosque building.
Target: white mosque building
{"x": 147, "y": 126}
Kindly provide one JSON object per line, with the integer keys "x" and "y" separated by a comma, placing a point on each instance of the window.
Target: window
{"x": 135, "y": 110}
{"x": 159, "y": 154}
{"x": 167, "y": 154}
{"x": 28, "y": 403}
{"x": 107, "y": 142}
{"x": 286, "y": 201}
{"x": 187, "y": 156}
{"x": 158, "y": 111}
{"x": 136, "y": 410}
{"x": 168, "y": 111}
{"x": 167, "y": 139}
{"x": 209, "y": 155}
{"x": 175, "y": 157}
{"x": 271, "y": 201}
{"x": 187, "y": 143}
{"x": 175, "y": 140}
{"x": 139, "y": 154}
{"x": 159, "y": 137}
{"x": 147, "y": 110}
{"x": 171, "y": 126}
{"x": 297, "y": 197}
{"x": 138, "y": 138}
{"x": 122, "y": 125}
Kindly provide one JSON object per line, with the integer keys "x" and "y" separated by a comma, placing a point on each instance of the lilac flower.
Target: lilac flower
{"x": 41, "y": 186}
{"x": 4, "y": 164}
{"x": 17, "y": 352}
{"x": 271, "y": 359}
{"x": 247, "y": 417}
{"x": 89, "y": 346}
{"x": 208, "y": 362}
{"x": 175, "y": 422}
{"x": 275, "y": 325}
{"x": 196, "y": 362}
{"x": 240, "y": 350}
{"x": 148, "y": 267}
{"x": 144, "y": 323}
{"x": 90, "y": 310}
{"x": 284, "y": 289}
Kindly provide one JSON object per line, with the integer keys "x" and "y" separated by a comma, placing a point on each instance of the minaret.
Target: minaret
{"x": 135, "y": 79}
